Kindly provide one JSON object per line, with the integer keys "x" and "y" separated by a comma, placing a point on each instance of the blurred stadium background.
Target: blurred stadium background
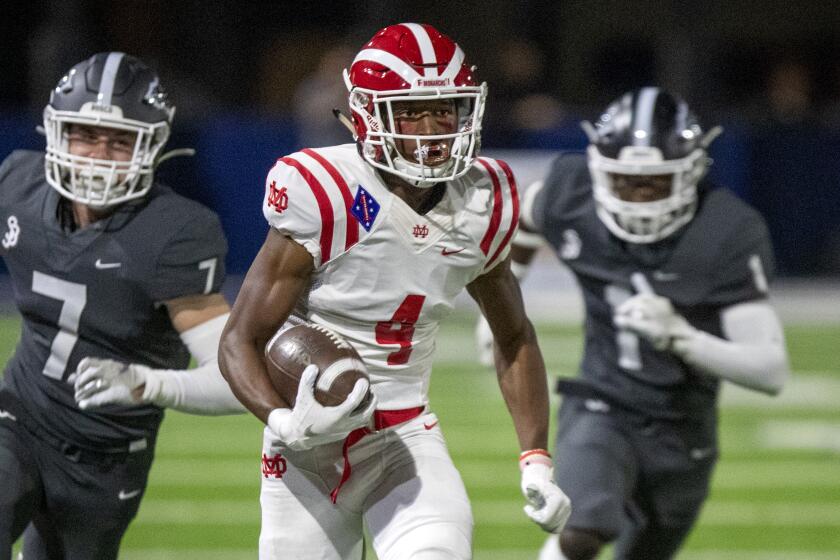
{"x": 255, "y": 80}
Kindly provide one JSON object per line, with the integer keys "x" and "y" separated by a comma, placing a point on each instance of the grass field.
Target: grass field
{"x": 776, "y": 492}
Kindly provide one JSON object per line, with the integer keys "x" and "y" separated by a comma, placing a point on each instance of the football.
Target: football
{"x": 291, "y": 349}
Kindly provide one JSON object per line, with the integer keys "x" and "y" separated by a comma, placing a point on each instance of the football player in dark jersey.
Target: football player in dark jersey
{"x": 674, "y": 276}
{"x": 117, "y": 281}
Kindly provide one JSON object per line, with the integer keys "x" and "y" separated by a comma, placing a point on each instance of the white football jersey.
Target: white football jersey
{"x": 385, "y": 276}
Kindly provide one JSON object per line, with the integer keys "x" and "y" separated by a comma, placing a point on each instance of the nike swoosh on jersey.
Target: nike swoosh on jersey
{"x": 665, "y": 276}
{"x": 446, "y": 252}
{"x": 430, "y": 426}
{"x": 9, "y": 415}
{"x": 699, "y": 453}
{"x": 123, "y": 495}
{"x": 103, "y": 265}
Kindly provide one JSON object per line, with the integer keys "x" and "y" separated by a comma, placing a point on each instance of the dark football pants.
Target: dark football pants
{"x": 71, "y": 510}
{"x": 638, "y": 481}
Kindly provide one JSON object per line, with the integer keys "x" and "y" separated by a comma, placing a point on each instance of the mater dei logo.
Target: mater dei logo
{"x": 10, "y": 238}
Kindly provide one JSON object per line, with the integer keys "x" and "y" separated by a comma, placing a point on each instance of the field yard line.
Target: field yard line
{"x": 481, "y": 474}
{"x": 718, "y": 554}
{"x": 183, "y": 512}
{"x": 730, "y": 513}
{"x": 800, "y": 434}
{"x": 238, "y": 554}
{"x": 480, "y": 554}
{"x": 811, "y": 390}
{"x": 715, "y": 512}
{"x": 193, "y": 554}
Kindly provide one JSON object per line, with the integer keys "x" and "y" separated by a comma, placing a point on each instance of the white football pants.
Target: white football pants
{"x": 403, "y": 487}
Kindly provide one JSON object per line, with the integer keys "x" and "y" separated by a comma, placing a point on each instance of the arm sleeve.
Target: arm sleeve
{"x": 291, "y": 207}
{"x": 192, "y": 261}
{"x": 752, "y": 355}
{"x": 200, "y": 390}
{"x": 529, "y": 195}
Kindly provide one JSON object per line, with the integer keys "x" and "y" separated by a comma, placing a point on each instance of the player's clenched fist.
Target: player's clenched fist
{"x": 547, "y": 505}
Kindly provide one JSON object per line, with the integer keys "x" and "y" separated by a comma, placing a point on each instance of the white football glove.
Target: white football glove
{"x": 310, "y": 423}
{"x": 484, "y": 342}
{"x": 102, "y": 382}
{"x": 653, "y": 318}
{"x": 547, "y": 505}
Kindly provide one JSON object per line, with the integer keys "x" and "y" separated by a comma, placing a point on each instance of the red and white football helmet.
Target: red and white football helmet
{"x": 416, "y": 62}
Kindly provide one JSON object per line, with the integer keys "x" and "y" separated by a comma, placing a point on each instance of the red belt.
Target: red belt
{"x": 381, "y": 419}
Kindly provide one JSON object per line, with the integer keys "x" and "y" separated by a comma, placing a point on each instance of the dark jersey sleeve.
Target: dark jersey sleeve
{"x": 565, "y": 188}
{"x": 192, "y": 261}
{"x": 747, "y": 265}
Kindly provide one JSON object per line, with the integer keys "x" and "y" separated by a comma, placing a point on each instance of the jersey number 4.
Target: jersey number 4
{"x": 400, "y": 329}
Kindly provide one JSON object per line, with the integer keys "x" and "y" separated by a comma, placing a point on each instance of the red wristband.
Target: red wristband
{"x": 535, "y": 457}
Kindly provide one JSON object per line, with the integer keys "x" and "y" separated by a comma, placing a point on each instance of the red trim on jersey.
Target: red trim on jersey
{"x": 496, "y": 218}
{"x": 381, "y": 419}
{"x": 514, "y": 196}
{"x": 352, "y": 227}
{"x": 324, "y": 206}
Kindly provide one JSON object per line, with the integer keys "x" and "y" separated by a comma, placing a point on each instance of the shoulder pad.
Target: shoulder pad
{"x": 567, "y": 188}
{"x": 730, "y": 245}
{"x": 504, "y": 217}
{"x": 309, "y": 199}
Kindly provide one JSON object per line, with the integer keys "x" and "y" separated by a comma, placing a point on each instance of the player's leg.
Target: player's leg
{"x": 90, "y": 504}
{"x": 677, "y": 469}
{"x": 20, "y": 484}
{"x": 298, "y": 519}
{"x": 419, "y": 510}
{"x": 596, "y": 467}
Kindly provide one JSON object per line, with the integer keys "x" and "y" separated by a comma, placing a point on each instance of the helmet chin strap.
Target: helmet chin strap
{"x": 179, "y": 152}
{"x": 343, "y": 119}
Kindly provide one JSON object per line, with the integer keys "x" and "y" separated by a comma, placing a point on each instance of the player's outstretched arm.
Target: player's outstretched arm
{"x": 201, "y": 390}
{"x": 752, "y": 354}
{"x": 522, "y": 379}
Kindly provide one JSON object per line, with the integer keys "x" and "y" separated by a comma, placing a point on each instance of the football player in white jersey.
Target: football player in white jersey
{"x": 375, "y": 240}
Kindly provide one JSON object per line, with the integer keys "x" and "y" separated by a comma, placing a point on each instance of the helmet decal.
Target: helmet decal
{"x": 109, "y": 77}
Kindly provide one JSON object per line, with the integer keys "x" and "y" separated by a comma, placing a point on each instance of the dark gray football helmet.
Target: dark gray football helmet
{"x": 647, "y": 132}
{"x": 109, "y": 90}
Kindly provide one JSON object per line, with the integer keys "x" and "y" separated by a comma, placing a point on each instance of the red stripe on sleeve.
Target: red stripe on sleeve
{"x": 496, "y": 218}
{"x": 514, "y": 196}
{"x": 352, "y": 226}
{"x": 324, "y": 206}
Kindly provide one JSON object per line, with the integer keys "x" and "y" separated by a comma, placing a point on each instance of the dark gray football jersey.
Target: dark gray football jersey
{"x": 722, "y": 257}
{"x": 98, "y": 291}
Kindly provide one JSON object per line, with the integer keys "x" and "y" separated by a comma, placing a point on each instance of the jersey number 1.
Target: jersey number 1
{"x": 400, "y": 329}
